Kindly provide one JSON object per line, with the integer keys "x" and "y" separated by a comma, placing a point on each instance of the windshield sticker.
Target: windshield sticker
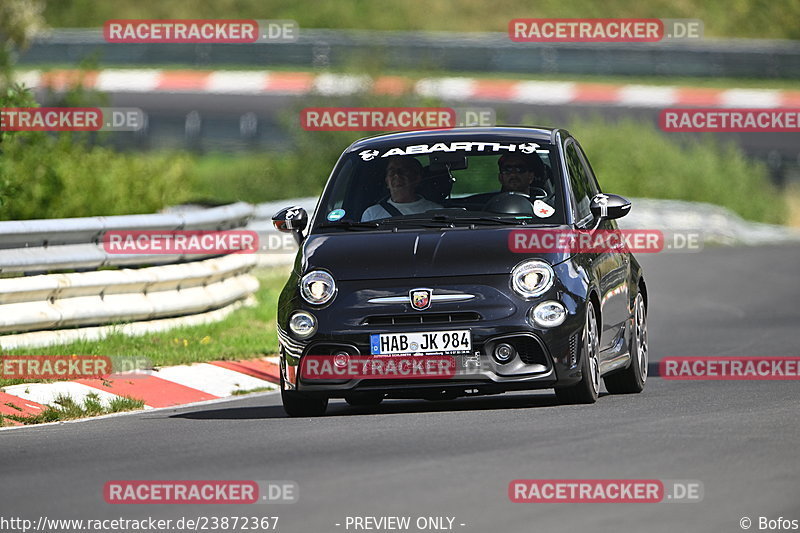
{"x": 420, "y": 149}
{"x": 542, "y": 209}
{"x": 368, "y": 155}
{"x": 335, "y": 215}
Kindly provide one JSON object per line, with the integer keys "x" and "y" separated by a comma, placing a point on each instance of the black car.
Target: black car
{"x": 410, "y": 253}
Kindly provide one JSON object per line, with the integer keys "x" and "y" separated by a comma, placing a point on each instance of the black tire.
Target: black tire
{"x": 632, "y": 379}
{"x": 296, "y": 404}
{"x": 364, "y": 399}
{"x": 588, "y": 388}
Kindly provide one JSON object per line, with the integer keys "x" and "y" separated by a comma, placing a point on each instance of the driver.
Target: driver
{"x": 403, "y": 174}
{"x": 520, "y": 172}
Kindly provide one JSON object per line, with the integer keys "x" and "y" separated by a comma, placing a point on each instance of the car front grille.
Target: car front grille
{"x": 421, "y": 318}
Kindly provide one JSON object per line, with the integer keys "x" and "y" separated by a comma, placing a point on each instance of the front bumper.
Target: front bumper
{"x": 546, "y": 357}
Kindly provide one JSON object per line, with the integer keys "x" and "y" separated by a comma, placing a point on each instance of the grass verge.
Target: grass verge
{"x": 793, "y": 205}
{"x": 247, "y": 333}
{"x": 250, "y": 391}
{"x": 65, "y": 408}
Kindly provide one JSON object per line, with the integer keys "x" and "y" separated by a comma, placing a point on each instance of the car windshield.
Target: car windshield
{"x": 445, "y": 183}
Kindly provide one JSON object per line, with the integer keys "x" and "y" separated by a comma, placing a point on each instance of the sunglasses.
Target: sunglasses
{"x": 514, "y": 170}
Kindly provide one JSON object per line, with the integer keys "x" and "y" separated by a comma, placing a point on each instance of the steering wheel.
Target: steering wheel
{"x": 510, "y": 203}
{"x": 538, "y": 193}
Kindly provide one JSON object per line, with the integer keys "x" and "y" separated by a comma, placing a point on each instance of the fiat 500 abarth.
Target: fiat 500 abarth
{"x": 410, "y": 254}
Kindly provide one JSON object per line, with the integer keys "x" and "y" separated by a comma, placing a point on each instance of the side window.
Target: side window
{"x": 592, "y": 179}
{"x": 579, "y": 183}
{"x": 337, "y": 195}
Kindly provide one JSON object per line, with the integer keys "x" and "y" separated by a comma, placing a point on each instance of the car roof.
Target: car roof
{"x": 455, "y": 134}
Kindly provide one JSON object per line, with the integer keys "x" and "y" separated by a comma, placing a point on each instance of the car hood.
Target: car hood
{"x": 356, "y": 255}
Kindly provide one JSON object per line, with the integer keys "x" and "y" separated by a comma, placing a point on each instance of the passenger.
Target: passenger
{"x": 403, "y": 174}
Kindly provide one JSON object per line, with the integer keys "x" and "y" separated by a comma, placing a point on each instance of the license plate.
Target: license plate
{"x": 425, "y": 342}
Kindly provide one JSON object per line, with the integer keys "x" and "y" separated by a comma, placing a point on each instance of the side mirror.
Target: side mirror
{"x": 291, "y": 220}
{"x": 609, "y": 206}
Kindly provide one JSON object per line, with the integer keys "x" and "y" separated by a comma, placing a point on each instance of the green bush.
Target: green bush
{"x": 631, "y": 158}
{"x": 253, "y": 177}
{"x": 47, "y": 177}
{"x": 43, "y": 176}
{"x": 636, "y": 159}
{"x": 303, "y": 171}
{"x": 734, "y": 18}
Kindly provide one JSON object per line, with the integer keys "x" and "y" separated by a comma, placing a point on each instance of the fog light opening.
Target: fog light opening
{"x": 503, "y": 353}
{"x": 340, "y": 359}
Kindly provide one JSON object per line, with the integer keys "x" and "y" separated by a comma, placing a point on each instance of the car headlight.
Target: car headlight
{"x": 303, "y": 324}
{"x": 317, "y": 287}
{"x": 548, "y": 314}
{"x": 532, "y": 278}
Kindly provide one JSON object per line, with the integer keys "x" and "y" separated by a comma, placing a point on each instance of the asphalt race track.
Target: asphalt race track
{"x": 417, "y": 458}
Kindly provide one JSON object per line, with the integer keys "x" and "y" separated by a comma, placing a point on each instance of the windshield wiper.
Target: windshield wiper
{"x": 347, "y": 224}
{"x": 435, "y": 221}
{"x": 484, "y": 220}
{"x": 384, "y": 223}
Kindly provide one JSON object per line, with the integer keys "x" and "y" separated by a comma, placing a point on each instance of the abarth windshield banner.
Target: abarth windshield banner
{"x": 461, "y": 146}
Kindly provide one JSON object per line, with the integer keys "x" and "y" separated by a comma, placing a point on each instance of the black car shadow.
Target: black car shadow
{"x": 235, "y": 413}
{"x": 340, "y": 408}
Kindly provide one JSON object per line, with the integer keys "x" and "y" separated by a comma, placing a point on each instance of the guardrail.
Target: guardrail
{"x": 37, "y": 306}
{"x": 75, "y": 243}
{"x": 477, "y": 52}
{"x": 57, "y": 301}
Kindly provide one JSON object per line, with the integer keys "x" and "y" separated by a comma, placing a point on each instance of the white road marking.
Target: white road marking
{"x": 452, "y": 88}
{"x": 646, "y": 96}
{"x": 341, "y": 84}
{"x": 544, "y": 92}
{"x": 128, "y": 80}
{"x": 237, "y": 82}
{"x": 750, "y": 98}
{"x": 212, "y": 379}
